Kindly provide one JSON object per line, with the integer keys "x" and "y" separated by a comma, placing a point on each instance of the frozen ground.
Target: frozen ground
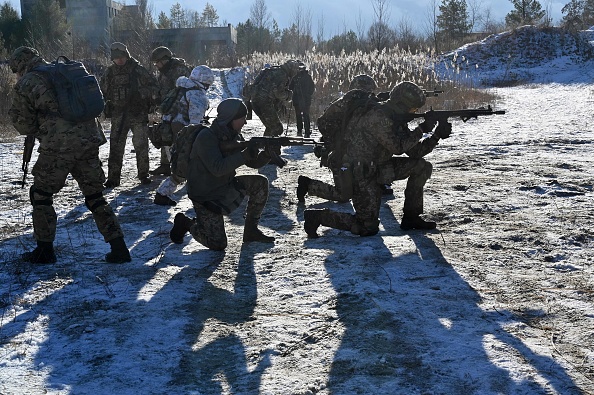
{"x": 498, "y": 300}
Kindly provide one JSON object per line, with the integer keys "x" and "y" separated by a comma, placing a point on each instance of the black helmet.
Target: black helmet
{"x": 161, "y": 53}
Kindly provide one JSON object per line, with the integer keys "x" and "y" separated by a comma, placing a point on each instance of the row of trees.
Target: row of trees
{"x": 447, "y": 25}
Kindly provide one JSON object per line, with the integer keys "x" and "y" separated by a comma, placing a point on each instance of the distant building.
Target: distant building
{"x": 94, "y": 25}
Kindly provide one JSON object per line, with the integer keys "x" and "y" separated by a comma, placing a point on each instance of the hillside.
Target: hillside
{"x": 525, "y": 55}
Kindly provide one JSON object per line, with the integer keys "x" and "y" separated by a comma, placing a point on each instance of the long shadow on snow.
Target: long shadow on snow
{"x": 92, "y": 339}
{"x": 215, "y": 353}
{"x": 410, "y": 319}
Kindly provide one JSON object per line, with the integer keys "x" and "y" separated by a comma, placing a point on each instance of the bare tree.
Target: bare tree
{"x": 302, "y": 22}
{"x": 259, "y": 14}
{"x": 431, "y": 28}
{"x": 379, "y": 32}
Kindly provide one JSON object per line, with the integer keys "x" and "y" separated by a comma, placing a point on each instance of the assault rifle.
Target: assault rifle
{"x": 27, "y": 152}
{"x": 443, "y": 115}
{"x": 271, "y": 145}
{"x": 383, "y": 96}
{"x": 434, "y": 93}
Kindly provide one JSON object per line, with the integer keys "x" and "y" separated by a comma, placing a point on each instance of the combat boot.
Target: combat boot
{"x": 44, "y": 253}
{"x": 112, "y": 184}
{"x": 252, "y": 233}
{"x": 119, "y": 252}
{"x": 415, "y": 222}
{"x": 163, "y": 200}
{"x": 163, "y": 169}
{"x": 181, "y": 226}
{"x": 302, "y": 186}
{"x": 312, "y": 221}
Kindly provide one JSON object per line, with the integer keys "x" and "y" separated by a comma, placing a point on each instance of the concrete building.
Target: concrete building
{"x": 94, "y": 25}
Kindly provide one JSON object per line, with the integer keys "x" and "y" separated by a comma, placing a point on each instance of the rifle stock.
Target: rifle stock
{"x": 27, "y": 153}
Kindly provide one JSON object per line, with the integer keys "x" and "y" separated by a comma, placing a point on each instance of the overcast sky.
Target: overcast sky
{"x": 335, "y": 15}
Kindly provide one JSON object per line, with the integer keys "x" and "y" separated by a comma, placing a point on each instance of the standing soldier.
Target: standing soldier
{"x": 373, "y": 136}
{"x": 269, "y": 92}
{"x": 190, "y": 109}
{"x": 170, "y": 69}
{"x": 303, "y": 89}
{"x": 130, "y": 90}
{"x": 64, "y": 148}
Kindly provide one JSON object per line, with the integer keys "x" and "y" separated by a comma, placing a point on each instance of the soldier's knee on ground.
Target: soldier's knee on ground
{"x": 368, "y": 227}
{"x": 40, "y": 198}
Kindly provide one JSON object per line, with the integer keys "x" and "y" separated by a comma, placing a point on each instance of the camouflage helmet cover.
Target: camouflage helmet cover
{"x": 202, "y": 74}
{"x": 363, "y": 82}
{"x": 21, "y": 57}
{"x": 291, "y": 67}
{"x": 161, "y": 53}
{"x": 408, "y": 94}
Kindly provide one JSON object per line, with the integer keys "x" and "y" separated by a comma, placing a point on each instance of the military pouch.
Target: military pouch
{"x": 166, "y": 133}
{"x": 345, "y": 175}
{"x": 108, "y": 109}
{"x": 362, "y": 171}
{"x": 386, "y": 173}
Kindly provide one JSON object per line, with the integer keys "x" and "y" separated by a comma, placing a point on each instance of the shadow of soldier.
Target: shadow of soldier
{"x": 412, "y": 324}
{"x": 216, "y": 360}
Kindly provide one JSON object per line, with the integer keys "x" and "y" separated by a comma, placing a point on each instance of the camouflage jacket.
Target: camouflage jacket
{"x": 35, "y": 111}
{"x": 374, "y": 135}
{"x": 174, "y": 69}
{"x": 271, "y": 84}
{"x": 303, "y": 88}
{"x": 129, "y": 87}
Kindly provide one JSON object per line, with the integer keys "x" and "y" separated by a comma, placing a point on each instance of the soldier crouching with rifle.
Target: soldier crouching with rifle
{"x": 213, "y": 186}
{"x": 372, "y": 137}
{"x": 64, "y": 148}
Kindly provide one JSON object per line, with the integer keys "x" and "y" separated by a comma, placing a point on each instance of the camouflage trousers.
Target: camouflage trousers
{"x": 50, "y": 172}
{"x": 209, "y": 227}
{"x": 120, "y": 125}
{"x": 367, "y": 196}
{"x": 267, "y": 111}
{"x": 326, "y": 191}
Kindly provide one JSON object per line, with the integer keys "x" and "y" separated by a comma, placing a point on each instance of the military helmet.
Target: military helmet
{"x": 161, "y": 53}
{"x": 408, "y": 94}
{"x": 119, "y": 50}
{"x": 21, "y": 57}
{"x": 202, "y": 74}
{"x": 291, "y": 67}
{"x": 363, "y": 82}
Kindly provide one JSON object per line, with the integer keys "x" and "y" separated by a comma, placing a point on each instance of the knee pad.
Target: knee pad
{"x": 368, "y": 227}
{"x": 40, "y": 198}
{"x": 94, "y": 201}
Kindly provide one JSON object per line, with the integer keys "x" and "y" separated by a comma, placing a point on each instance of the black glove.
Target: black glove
{"x": 444, "y": 130}
{"x": 251, "y": 152}
{"x": 427, "y": 125}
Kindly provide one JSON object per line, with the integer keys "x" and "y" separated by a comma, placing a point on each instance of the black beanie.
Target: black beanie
{"x": 229, "y": 110}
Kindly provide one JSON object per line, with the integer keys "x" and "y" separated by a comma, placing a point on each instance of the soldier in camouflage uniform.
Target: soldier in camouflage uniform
{"x": 214, "y": 188}
{"x": 170, "y": 69}
{"x": 331, "y": 125}
{"x": 303, "y": 89}
{"x": 269, "y": 92}
{"x": 130, "y": 91}
{"x": 373, "y": 136}
{"x": 191, "y": 109}
{"x": 64, "y": 148}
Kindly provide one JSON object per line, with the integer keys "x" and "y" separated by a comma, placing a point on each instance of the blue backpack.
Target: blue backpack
{"x": 78, "y": 93}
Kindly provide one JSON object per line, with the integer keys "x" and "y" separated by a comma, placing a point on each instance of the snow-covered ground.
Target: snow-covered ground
{"x": 498, "y": 300}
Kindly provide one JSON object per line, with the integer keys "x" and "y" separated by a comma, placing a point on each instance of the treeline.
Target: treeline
{"x": 446, "y": 25}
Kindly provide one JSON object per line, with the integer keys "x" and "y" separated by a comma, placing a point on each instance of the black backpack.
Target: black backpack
{"x": 182, "y": 148}
{"x": 78, "y": 93}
